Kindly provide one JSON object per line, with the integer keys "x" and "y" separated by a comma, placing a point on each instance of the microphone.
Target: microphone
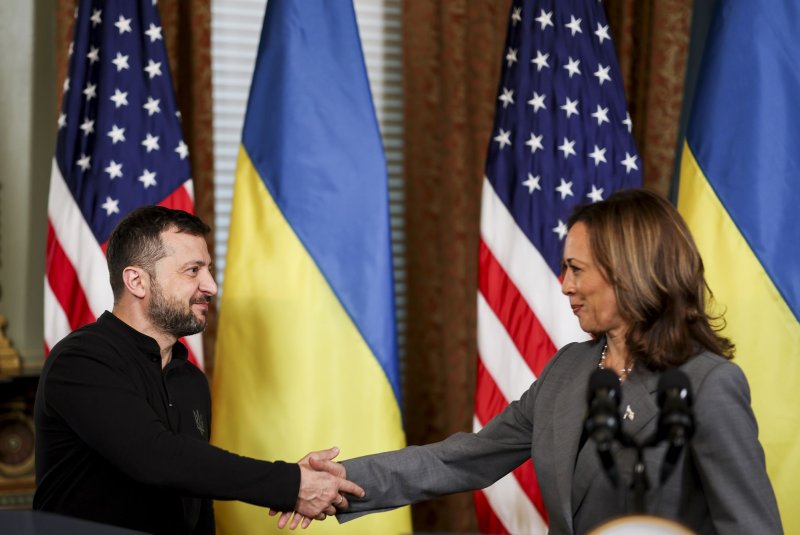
{"x": 602, "y": 420}
{"x": 676, "y": 421}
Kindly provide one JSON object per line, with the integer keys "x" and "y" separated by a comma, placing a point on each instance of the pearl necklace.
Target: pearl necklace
{"x": 602, "y": 364}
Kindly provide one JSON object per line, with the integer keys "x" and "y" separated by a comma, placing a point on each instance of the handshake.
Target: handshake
{"x": 323, "y": 485}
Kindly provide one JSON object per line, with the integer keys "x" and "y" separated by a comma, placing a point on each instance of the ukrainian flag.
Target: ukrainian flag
{"x": 740, "y": 194}
{"x": 306, "y": 351}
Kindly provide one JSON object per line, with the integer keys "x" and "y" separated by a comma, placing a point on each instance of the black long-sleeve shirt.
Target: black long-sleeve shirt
{"x": 123, "y": 442}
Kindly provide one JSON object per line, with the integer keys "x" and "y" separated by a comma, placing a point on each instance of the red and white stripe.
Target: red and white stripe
{"x": 522, "y": 318}
{"x": 77, "y": 289}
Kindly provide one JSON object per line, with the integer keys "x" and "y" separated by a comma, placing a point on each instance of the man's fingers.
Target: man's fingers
{"x": 351, "y": 488}
{"x": 306, "y": 522}
{"x": 283, "y": 520}
{"x": 326, "y": 455}
{"x": 323, "y": 455}
{"x": 296, "y": 519}
{"x": 326, "y": 465}
{"x": 341, "y": 504}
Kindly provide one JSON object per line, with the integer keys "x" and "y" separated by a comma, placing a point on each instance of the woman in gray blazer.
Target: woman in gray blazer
{"x": 634, "y": 279}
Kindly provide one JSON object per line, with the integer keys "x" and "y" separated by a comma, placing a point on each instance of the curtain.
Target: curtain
{"x": 452, "y": 58}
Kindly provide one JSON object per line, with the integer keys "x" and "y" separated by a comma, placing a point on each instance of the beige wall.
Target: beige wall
{"x": 27, "y": 135}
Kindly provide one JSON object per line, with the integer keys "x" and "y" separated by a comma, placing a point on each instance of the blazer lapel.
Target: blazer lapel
{"x": 638, "y": 404}
{"x": 568, "y": 417}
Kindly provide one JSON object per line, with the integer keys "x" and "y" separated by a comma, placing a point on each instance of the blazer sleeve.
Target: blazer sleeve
{"x": 464, "y": 461}
{"x": 729, "y": 457}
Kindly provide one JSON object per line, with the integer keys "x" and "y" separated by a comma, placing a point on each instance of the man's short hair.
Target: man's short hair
{"x": 136, "y": 241}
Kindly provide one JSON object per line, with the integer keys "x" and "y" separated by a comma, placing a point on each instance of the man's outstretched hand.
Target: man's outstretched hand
{"x": 323, "y": 485}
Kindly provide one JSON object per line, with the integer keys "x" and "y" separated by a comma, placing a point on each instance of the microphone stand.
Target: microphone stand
{"x": 640, "y": 484}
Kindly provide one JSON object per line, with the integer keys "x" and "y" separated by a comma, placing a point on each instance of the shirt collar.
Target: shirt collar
{"x": 144, "y": 343}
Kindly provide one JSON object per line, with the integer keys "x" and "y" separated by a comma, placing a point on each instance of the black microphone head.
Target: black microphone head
{"x": 675, "y": 420}
{"x": 604, "y": 380}
{"x": 675, "y": 384}
{"x": 602, "y": 422}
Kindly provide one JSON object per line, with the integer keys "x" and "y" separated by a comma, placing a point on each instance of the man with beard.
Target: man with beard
{"x": 123, "y": 419}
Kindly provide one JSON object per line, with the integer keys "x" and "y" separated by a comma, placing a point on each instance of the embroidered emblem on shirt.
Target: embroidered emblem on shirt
{"x": 629, "y": 414}
{"x": 199, "y": 422}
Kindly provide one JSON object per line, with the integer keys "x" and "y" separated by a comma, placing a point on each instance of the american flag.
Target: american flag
{"x": 119, "y": 146}
{"x": 561, "y": 137}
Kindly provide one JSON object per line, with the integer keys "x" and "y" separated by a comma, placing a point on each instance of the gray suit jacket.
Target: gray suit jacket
{"x": 719, "y": 485}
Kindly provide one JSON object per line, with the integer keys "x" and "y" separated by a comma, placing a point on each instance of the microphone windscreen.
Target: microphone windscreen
{"x": 604, "y": 380}
{"x": 674, "y": 380}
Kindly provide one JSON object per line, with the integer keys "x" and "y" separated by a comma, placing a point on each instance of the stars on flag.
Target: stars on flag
{"x": 537, "y": 102}
{"x": 119, "y": 98}
{"x": 568, "y": 148}
{"x": 111, "y": 206}
{"x": 152, "y": 106}
{"x": 598, "y": 155}
{"x": 90, "y": 91}
{"x": 93, "y": 55}
{"x": 507, "y": 97}
{"x": 596, "y": 194}
{"x": 574, "y": 25}
{"x": 114, "y": 170}
{"x": 535, "y": 142}
{"x": 153, "y": 68}
{"x": 182, "y": 149}
{"x": 602, "y": 33}
{"x": 570, "y": 107}
{"x": 123, "y": 25}
{"x": 630, "y": 162}
{"x": 541, "y": 60}
{"x": 124, "y": 139}
{"x": 84, "y": 162}
{"x": 565, "y": 189}
{"x": 545, "y": 19}
{"x": 503, "y": 138}
{"x": 572, "y": 120}
{"x": 561, "y": 230}
{"x": 150, "y": 142}
{"x": 154, "y": 32}
{"x": 87, "y": 126}
{"x": 602, "y": 74}
{"x": 96, "y": 17}
{"x": 116, "y": 134}
{"x": 516, "y": 15}
{"x": 573, "y": 66}
{"x": 148, "y": 178}
{"x": 511, "y": 56}
{"x": 601, "y": 114}
{"x": 121, "y": 62}
{"x": 532, "y": 183}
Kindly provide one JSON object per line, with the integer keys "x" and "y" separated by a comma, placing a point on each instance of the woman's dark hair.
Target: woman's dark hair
{"x": 646, "y": 252}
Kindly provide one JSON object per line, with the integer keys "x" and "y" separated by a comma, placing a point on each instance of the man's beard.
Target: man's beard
{"x": 170, "y": 317}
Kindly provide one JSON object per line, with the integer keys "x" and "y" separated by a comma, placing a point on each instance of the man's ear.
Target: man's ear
{"x": 136, "y": 281}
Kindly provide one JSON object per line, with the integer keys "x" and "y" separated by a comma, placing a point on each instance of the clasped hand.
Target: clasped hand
{"x": 323, "y": 485}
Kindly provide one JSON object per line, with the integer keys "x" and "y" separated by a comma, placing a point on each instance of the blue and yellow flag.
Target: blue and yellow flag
{"x": 306, "y": 352}
{"x": 740, "y": 193}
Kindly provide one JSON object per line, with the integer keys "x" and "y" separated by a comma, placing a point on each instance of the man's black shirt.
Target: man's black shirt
{"x": 123, "y": 442}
